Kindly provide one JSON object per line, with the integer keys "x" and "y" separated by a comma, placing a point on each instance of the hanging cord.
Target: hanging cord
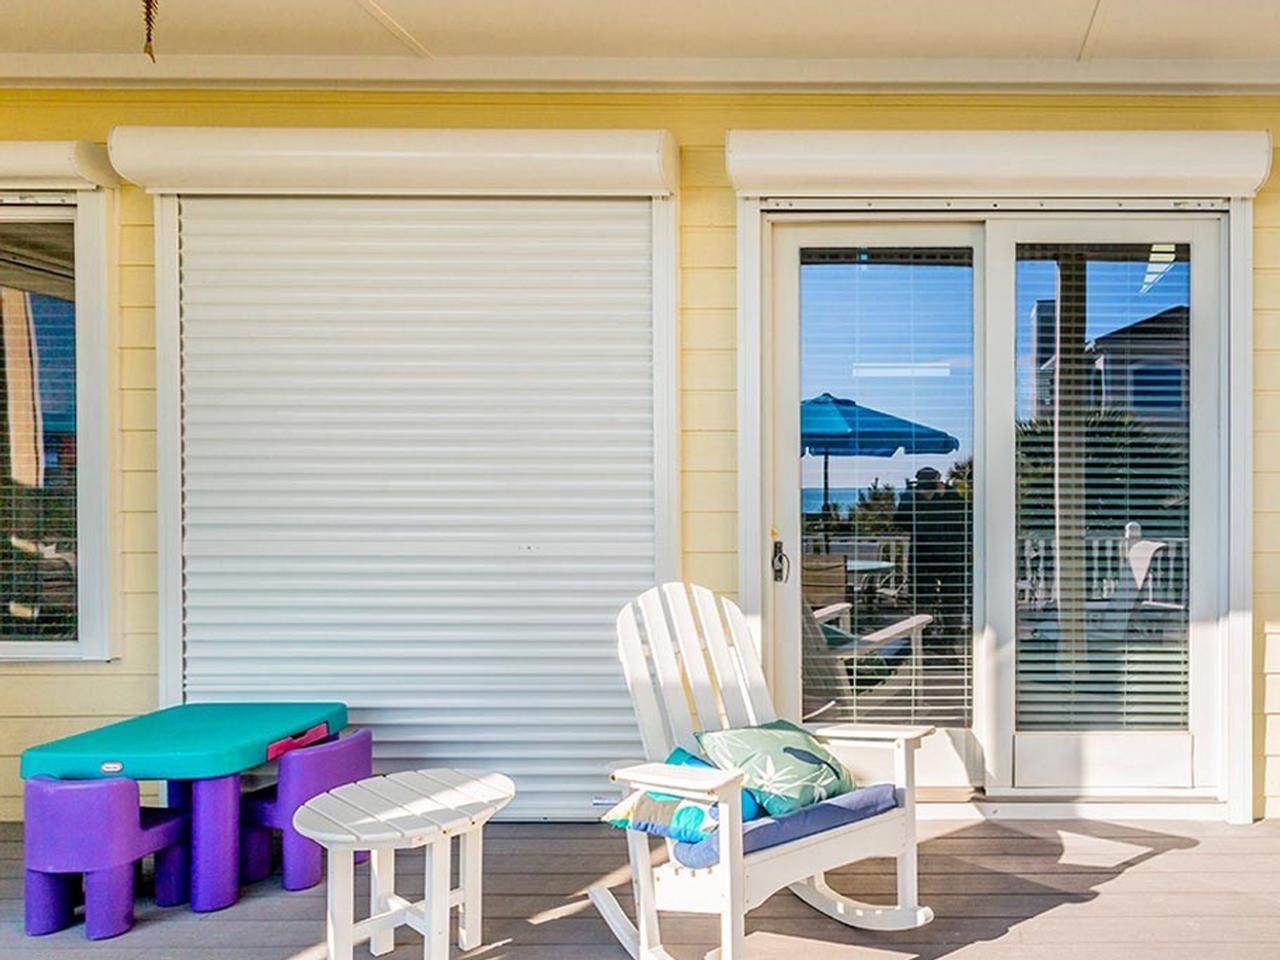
{"x": 149, "y": 17}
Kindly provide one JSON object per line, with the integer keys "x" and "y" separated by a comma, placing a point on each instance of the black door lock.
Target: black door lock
{"x": 781, "y": 563}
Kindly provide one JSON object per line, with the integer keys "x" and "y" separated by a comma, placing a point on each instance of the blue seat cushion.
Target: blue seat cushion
{"x": 771, "y": 831}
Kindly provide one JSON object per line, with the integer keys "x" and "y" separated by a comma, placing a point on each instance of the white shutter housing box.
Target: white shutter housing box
{"x": 55, "y": 165}
{"x": 998, "y": 163}
{"x": 424, "y": 162}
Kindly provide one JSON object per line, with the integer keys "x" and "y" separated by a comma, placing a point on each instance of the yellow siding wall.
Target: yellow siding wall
{"x": 37, "y": 702}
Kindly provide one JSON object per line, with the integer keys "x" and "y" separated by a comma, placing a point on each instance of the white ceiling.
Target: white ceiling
{"x": 1174, "y": 44}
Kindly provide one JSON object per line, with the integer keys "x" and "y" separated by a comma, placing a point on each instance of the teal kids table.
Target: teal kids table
{"x": 200, "y": 749}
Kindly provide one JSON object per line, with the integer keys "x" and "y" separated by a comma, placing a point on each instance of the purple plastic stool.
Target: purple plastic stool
{"x": 96, "y": 828}
{"x": 303, "y": 774}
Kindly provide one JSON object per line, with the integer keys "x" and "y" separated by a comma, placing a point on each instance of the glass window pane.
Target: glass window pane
{"x": 1103, "y": 463}
{"x": 886, "y": 484}
{"x": 37, "y": 431}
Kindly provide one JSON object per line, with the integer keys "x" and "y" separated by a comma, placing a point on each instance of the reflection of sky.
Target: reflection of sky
{"x": 881, "y": 334}
{"x": 876, "y": 333}
{"x": 55, "y": 327}
{"x": 1113, "y": 299}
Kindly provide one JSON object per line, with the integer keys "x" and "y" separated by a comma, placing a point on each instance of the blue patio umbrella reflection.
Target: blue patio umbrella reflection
{"x": 832, "y": 426}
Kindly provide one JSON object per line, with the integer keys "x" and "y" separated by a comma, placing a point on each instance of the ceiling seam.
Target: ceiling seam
{"x": 1084, "y": 53}
{"x": 394, "y": 27}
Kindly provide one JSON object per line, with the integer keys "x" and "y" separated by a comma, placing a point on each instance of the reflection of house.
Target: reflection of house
{"x": 1140, "y": 368}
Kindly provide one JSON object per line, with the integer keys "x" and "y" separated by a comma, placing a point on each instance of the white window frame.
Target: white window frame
{"x": 907, "y": 174}
{"x": 73, "y": 182}
{"x": 171, "y": 162}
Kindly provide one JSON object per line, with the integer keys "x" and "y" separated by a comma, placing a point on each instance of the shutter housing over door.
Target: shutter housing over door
{"x": 418, "y": 471}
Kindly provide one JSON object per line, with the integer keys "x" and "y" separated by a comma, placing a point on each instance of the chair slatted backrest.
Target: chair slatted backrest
{"x": 692, "y": 664}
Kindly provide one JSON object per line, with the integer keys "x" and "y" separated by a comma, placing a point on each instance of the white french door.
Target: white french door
{"x": 1107, "y": 667}
{"x": 996, "y": 484}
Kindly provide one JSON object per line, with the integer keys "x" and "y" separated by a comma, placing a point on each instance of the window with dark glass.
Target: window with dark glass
{"x": 37, "y": 431}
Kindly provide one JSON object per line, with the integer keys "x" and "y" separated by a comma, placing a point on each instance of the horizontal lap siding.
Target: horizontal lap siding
{"x": 707, "y": 335}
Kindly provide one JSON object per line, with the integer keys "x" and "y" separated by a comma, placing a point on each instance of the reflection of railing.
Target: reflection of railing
{"x": 1105, "y": 559}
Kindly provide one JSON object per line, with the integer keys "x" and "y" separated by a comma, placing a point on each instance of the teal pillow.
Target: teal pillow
{"x": 664, "y": 815}
{"x": 785, "y": 767}
{"x": 681, "y": 757}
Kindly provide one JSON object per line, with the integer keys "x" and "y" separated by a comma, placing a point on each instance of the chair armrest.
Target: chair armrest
{"x": 870, "y": 735}
{"x": 697, "y": 783}
{"x": 911, "y": 626}
{"x": 833, "y": 611}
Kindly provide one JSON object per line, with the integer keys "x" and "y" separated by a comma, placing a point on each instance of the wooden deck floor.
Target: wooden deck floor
{"x": 1030, "y": 890}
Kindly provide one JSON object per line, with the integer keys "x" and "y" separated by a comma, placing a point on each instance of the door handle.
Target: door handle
{"x": 781, "y": 563}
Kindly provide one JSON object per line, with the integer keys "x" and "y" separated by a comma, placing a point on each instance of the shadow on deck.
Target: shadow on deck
{"x": 1075, "y": 890}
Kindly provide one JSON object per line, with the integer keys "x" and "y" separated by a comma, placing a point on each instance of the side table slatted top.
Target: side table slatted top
{"x": 403, "y": 810}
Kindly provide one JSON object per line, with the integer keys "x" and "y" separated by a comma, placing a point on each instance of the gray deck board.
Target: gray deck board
{"x": 1029, "y": 890}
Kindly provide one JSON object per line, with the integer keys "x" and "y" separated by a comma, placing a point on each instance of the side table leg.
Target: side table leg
{"x": 435, "y": 945}
{"x": 382, "y": 883}
{"x": 470, "y": 851}
{"x": 340, "y": 914}
{"x": 215, "y": 842}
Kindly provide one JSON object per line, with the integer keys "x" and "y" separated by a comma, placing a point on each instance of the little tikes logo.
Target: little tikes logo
{"x": 111, "y": 766}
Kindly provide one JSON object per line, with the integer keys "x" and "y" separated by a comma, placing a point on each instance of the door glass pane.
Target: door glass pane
{"x": 886, "y": 469}
{"x": 1103, "y": 481}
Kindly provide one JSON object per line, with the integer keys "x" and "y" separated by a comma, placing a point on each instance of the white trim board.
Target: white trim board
{"x": 168, "y": 454}
{"x": 413, "y": 71}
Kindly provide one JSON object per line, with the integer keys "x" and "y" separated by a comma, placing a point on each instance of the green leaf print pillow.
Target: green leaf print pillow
{"x": 785, "y": 767}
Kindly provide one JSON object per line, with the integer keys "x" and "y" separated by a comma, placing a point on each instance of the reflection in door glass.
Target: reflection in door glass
{"x": 886, "y": 424}
{"x": 38, "y": 431}
{"x": 1103, "y": 480}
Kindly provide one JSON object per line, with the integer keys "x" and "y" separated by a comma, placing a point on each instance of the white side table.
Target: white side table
{"x": 419, "y": 808}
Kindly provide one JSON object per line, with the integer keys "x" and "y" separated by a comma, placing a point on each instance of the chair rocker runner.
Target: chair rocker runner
{"x": 691, "y": 663}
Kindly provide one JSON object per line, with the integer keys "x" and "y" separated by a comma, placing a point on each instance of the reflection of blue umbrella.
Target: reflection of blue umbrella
{"x": 835, "y": 427}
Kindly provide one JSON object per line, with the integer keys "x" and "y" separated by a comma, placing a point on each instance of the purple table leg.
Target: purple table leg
{"x": 215, "y": 842}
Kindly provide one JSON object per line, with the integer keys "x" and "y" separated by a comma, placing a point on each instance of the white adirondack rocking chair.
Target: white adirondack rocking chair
{"x": 691, "y": 663}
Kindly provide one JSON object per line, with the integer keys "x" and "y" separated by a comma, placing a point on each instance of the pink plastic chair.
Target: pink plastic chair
{"x": 303, "y": 774}
{"x": 98, "y": 829}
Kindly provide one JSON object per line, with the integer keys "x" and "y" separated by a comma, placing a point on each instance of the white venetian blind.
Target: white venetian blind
{"x": 1104, "y": 486}
{"x": 886, "y": 467}
{"x": 418, "y": 468}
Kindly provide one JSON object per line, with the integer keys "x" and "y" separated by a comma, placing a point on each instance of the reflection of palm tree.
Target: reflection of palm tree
{"x": 1130, "y": 473}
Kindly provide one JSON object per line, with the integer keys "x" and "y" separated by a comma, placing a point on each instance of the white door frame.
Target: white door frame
{"x": 756, "y": 217}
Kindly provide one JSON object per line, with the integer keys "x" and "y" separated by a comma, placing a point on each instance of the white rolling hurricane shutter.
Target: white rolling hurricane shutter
{"x": 418, "y": 472}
